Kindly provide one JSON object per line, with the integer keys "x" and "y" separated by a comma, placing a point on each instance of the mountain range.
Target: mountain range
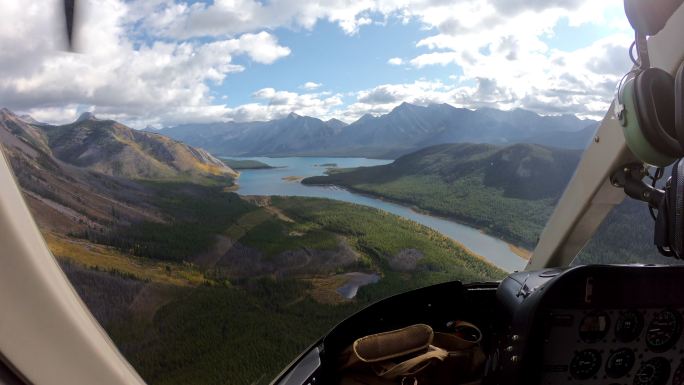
{"x": 111, "y": 148}
{"x": 406, "y": 128}
{"x": 85, "y": 175}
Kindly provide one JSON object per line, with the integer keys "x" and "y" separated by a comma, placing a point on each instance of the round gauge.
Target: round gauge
{"x": 655, "y": 371}
{"x": 678, "y": 378}
{"x": 664, "y": 330}
{"x": 594, "y": 326}
{"x": 628, "y": 326}
{"x": 585, "y": 364}
{"x": 620, "y": 363}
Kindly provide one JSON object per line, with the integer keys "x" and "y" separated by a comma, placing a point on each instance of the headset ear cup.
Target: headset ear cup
{"x": 634, "y": 134}
{"x": 679, "y": 105}
{"x": 654, "y": 97}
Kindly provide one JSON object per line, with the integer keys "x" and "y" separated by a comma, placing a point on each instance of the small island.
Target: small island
{"x": 239, "y": 164}
{"x": 338, "y": 170}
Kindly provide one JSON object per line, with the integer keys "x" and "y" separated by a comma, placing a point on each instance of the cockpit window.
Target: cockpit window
{"x": 224, "y": 181}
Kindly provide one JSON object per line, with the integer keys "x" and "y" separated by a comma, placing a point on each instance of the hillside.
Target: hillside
{"x": 509, "y": 192}
{"x": 66, "y": 198}
{"x": 184, "y": 275}
{"x": 113, "y": 149}
{"x": 406, "y": 128}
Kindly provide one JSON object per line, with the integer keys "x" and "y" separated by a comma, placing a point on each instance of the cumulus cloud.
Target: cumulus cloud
{"x": 580, "y": 82}
{"x": 273, "y": 104}
{"x": 156, "y": 61}
{"x": 137, "y": 80}
{"x": 311, "y": 85}
{"x": 230, "y": 17}
{"x": 518, "y": 6}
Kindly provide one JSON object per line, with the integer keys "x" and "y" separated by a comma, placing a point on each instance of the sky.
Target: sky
{"x": 166, "y": 62}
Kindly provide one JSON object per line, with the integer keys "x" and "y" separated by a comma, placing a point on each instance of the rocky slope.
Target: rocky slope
{"x": 82, "y": 176}
{"x": 112, "y": 148}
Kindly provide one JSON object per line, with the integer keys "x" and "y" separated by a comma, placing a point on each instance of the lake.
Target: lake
{"x": 271, "y": 182}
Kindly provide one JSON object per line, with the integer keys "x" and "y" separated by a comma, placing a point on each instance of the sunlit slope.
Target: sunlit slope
{"x": 74, "y": 198}
{"x": 187, "y": 277}
{"x": 507, "y": 191}
{"x": 113, "y": 149}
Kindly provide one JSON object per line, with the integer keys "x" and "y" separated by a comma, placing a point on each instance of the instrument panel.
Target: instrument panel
{"x": 590, "y": 325}
{"x": 613, "y": 346}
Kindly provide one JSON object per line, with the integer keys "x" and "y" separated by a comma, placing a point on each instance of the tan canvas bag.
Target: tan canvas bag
{"x": 393, "y": 357}
{"x": 414, "y": 355}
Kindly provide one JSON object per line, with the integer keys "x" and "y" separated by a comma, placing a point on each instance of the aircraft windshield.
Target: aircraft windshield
{"x": 224, "y": 181}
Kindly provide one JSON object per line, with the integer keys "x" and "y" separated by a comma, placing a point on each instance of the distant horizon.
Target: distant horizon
{"x": 94, "y": 115}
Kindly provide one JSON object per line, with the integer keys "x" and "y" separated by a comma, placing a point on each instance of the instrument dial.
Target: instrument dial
{"x": 620, "y": 363}
{"x": 628, "y": 326}
{"x": 585, "y": 364}
{"x": 655, "y": 371}
{"x": 678, "y": 378}
{"x": 594, "y": 327}
{"x": 664, "y": 330}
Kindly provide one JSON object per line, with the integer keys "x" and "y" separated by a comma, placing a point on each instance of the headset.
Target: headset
{"x": 650, "y": 108}
{"x": 651, "y": 112}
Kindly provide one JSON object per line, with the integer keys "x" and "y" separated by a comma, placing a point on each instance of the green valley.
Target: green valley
{"x": 197, "y": 284}
{"x": 194, "y": 283}
{"x": 244, "y": 313}
{"x": 508, "y": 192}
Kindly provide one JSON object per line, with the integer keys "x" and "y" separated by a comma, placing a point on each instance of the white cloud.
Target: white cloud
{"x": 579, "y": 82}
{"x": 311, "y": 85}
{"x": 230, "y": 17}
{"x": 143, "y": 61}
{"x": 274, "y": 104}
{"x": 261, "y": 47}
{"x": 499, "y": 47}
{"x": 140, "y": 81}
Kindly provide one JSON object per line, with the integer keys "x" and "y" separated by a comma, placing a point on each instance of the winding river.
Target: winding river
{"x": 275, "y": 181}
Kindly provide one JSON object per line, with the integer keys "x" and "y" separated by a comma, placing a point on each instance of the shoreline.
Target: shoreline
{"x": 518, "y": 250}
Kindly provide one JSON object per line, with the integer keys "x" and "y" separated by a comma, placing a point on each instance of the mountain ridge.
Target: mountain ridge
{"x": 406, "y": 128}
{"x": 114, "y": 149}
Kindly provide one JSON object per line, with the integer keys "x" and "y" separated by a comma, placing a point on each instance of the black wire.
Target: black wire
{"x": 653, "y": 214}
{"x": 631, "y": 54}
{"x": 654, "y": 179}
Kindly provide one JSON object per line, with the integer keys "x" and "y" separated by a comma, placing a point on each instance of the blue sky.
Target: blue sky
{"x": 344, "y": 63}
{"x": 165, "y": 62}
{"x": 340, "y": 62}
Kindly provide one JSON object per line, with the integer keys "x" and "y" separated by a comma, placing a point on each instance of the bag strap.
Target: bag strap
{"x": 412, "y": 366}
{"x": 465, "y": 324}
